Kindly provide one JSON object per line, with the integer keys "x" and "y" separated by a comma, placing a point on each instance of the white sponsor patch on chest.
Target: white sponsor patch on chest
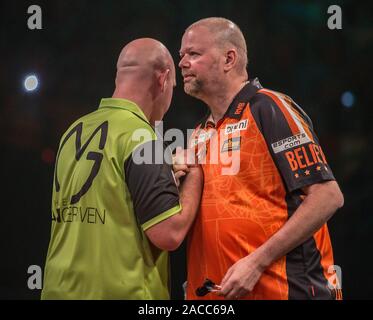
{"x": 241, "y": 125}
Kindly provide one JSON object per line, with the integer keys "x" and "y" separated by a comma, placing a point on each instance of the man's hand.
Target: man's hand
{"x": 320, "y": 203}
{"x": 182, "y": 160}
{"x": 241, "y": 278}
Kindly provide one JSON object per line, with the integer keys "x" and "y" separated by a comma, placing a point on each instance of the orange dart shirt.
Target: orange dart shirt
{"x": 256, "y": 160}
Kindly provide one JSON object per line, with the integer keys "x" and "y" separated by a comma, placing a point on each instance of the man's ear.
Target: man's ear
{"x": 230, "y": 59}
{"x": 162, "y": 79}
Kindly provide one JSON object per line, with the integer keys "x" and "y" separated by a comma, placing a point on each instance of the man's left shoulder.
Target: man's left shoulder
{"x": 268, "y": 102}
{"x": 265, "y": 97}
{"x": 262, "y": 105}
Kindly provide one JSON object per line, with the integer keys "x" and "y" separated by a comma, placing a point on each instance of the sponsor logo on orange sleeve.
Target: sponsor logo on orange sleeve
{"x": 290, "y": 142}
{"x": 305, "y": 156}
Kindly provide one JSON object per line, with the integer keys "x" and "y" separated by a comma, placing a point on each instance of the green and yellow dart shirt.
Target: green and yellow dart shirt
{"x": 103, "y": 201}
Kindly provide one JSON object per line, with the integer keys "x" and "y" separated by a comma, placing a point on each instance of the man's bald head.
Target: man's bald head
{"x": 146, "y": 76}
{"x": 142, "y": 56}
{"x": 225, "y": 33}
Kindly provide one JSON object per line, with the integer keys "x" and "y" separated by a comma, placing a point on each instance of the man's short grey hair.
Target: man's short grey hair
{"x": 226, "y": 32}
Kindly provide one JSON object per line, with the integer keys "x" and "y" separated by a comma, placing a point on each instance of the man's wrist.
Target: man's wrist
{"x": 196, "y": 171}
{"x": 262, "y": 258}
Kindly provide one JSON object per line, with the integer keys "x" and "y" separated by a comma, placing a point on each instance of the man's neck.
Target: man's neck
{"x": 140, "y": 100}
{"x": 219, "y": 103}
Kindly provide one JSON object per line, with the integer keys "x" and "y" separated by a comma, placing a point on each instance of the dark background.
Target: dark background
{"x": 290, "y": 49}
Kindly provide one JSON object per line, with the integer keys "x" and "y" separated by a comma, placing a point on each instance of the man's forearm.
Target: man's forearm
{"x": 316, "y": 209}
{"x": 190, "y": 197}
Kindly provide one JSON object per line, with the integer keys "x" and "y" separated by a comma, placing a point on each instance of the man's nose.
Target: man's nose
{"x": 184, "y": 63}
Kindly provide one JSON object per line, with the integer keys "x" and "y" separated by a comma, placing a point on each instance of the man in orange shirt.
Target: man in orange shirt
{"x": 261, "y": 230}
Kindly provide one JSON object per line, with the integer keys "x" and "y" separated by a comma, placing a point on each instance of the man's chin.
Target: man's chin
{"x": 190, "y": 90}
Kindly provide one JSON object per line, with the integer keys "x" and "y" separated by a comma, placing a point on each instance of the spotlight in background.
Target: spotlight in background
{"x": 348, "y": 99}
{"x": 31, "y": 83}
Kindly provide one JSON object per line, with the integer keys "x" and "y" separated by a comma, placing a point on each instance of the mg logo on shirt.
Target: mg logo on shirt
{"x": 94, "y": 156}
{"x": 241, "y": 125}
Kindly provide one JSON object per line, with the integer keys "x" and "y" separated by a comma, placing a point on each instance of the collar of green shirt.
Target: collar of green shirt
{"x": 123, "y": 104}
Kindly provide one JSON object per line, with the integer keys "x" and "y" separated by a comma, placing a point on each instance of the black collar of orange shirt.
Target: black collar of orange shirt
{"x": 238, "y": 104}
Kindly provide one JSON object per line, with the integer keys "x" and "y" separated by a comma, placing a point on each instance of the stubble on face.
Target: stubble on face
{"x": 194, "y": 87}
{"x": 205, "y": 70}
{"x": 203, "y": 84}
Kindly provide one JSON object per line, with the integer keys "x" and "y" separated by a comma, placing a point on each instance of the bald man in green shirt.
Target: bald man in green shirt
{"x": 114, "y": 219}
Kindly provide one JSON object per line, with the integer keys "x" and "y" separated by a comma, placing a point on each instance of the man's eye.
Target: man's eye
{"x": 193, "y": 53}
